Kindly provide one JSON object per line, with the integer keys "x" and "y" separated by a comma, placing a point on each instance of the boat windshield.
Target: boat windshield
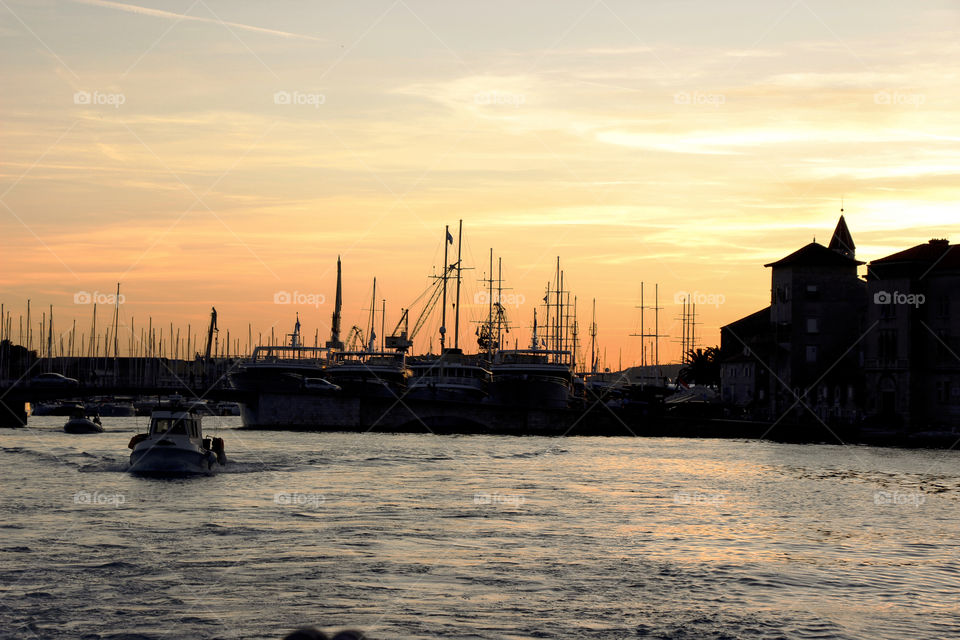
{"x": 175, "y": 426}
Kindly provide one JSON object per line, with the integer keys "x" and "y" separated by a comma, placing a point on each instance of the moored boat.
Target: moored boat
{"x": 452, "y": 376}
{"x": 80, "y": 422}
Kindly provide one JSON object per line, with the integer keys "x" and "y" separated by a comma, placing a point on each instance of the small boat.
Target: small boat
{"x": 175, "y": 445}
{"x": 79, "y": 422}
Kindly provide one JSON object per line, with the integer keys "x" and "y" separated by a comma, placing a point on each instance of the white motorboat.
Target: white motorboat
{"x": 175, "y": 445}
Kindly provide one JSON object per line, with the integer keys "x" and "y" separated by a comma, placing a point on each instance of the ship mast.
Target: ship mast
{"x": 372, "y": 335}
{"x": 456, "y": 322}
{"x": 335, "y": 342}
{"x": 593, "y": 338}
{"x": 447, "y": 239}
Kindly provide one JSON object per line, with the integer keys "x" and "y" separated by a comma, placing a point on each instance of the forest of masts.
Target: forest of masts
{"x": 557, "y": 332}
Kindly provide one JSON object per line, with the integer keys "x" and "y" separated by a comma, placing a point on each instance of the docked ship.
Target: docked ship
{"x": 451, "y": 375}
{"x": 285, "y": 367}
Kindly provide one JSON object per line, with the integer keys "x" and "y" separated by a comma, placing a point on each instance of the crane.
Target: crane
{"x": 213, "y": 329}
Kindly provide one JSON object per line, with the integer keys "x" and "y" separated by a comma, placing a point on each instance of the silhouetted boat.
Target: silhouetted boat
{"x": 531, "y": 378}
{"x": 452, "y": 376}
{"x": 175, "y": 445}
{"x": 369, "y": 373}
{"x": 80, "y": 422}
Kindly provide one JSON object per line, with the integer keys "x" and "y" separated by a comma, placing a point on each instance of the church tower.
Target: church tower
{"x": 842, "y": 241}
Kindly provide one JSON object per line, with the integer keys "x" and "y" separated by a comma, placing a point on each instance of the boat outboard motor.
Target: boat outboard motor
{"x": 218, "y": 449}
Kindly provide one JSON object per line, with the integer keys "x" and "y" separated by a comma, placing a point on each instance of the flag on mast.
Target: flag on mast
{"x": 449, "y": 237}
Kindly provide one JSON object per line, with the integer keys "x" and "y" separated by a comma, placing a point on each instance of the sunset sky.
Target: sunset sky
{"x": 205, "y": 152}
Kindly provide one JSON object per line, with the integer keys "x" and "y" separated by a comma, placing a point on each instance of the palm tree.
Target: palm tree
{"x": 702, "y": 367}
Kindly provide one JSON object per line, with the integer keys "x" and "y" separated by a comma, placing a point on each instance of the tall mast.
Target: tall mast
{"x": 50, "y": 341}
{"x": 93, "y": 333}
{"x": 335, "y": 322}
{"x": 490, "y": 306}
{"x": 447, "y": 239}
{"x": 656, "y": 326}
{"x": 593, "y": 338}
{"x": 116, "y": 321}
{"x": 371, "y": 335}
{"x": 559, "y": 320}
{"x": 499, "y": 302}
{"x": 533, "y": 338}
{"x": 456, "y": 325}
{"x": 546, "y": 299}
{"x": 643, "y": 332}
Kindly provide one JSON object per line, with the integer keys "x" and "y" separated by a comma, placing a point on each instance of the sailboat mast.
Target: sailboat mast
{"x": 490, "y": 306}
{"x": 373, "y": 317}
{"x": 593, "y": 338}
{"x": 499, "y": 301}
{"x": 456, "y": 324}
{"x": 116, "y": 322}
{"x": 443, "y": 312}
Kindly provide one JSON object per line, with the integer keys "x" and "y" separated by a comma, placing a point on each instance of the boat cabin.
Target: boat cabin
{"x": 176, "y": 423}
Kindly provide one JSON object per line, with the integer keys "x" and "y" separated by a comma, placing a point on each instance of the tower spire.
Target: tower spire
{"x": 842, "y": 241}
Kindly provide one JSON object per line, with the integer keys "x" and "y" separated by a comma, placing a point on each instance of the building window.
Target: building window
{"x": 811, "y": 353}
{"x": 943, "y": 391}
{"x": 888, "y": 310}
{"x": 887, "y": 344}
{"x": 943, "y": 307}
{"x": 813, "y": 325}
{"x": 813, "y": 292}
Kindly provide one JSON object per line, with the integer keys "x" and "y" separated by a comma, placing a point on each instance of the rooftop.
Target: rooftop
{"x": 815, "y": 255}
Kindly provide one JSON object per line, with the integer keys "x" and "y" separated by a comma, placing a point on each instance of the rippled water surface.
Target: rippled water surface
{"x": 421, "y": 536}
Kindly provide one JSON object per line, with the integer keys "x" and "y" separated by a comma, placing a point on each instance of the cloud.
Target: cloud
{"x": 159, "y": 13}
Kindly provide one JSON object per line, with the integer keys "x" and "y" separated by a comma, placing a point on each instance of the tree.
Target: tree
{"x": 702, "y": 367}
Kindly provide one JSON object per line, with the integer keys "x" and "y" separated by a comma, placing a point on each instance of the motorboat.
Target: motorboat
{"x": 175, "y": 445}
{"x": 81, "y": 422}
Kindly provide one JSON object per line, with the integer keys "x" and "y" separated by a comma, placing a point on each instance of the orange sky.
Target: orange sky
{"x": 212, "y": 154}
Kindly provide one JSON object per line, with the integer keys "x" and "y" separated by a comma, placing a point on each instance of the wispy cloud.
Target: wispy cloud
{"x": 159, "y": 13}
